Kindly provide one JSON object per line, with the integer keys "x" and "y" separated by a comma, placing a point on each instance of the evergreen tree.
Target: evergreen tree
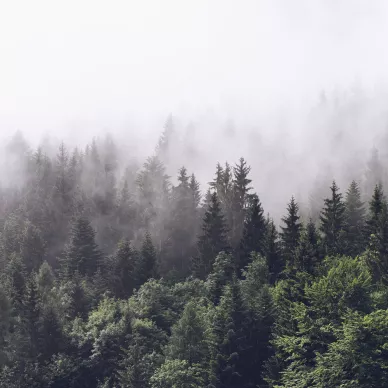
{"x": 333, "y": 220}
{"x": 290, "y": 234}
{"x": 355, "y": 220}
{"x": 240, "y": 203}
{"x": 213, "y": 239}
{"x": 147, "y": 263}
{"x": 273, "y": 253}
{"x": 307, "y": 252}
{"x": 124, "y": 265}
{"x": 229, "y": 322}
{"x": 254, "y": 233}
{"x": 81, "y": 253}
{"x": 376, "y": 206}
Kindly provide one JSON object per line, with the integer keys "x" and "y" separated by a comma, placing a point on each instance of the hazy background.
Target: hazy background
{"x": 242, "y": 78}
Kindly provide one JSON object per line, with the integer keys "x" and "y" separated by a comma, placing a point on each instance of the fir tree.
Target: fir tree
{"x": 240, "y": 203}
{"x": 290, "y": 234}
{"x": 213, "y": 239}
{"x": 273, "y": 253}
{"x": 307, "y": 252}
{"x": 81, "y": 253}
{"x": 355, "y": 220}
{"x": 124, "y": 266}
{"x": 147, "y": 264}
{"x": 254, "y": 233}
{"x": 376, "y": 206}
{"x": 333, "y": 220}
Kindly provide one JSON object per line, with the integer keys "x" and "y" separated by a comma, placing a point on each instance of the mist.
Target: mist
{"x": 298, "y": 86}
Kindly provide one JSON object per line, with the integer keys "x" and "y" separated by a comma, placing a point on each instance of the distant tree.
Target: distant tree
{"x": 147, "y": 263}
{"x": 290, "y": 233}
{"x": 376, "y": 206}
{"x": 240, "y": 200}
{"x": 212, "y": 240}
{"x": 355, "y": 220}
{"x": 254, "y": 232}
{"x": 81, "y": 252}
{"x": 273, "y": 252}
{"x": 307, "y": 253}
{"x": 333, "y": 218}
{"x": 123, "y": 265}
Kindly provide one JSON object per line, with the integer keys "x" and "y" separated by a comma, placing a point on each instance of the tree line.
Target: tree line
{"x": 111, "y": 276}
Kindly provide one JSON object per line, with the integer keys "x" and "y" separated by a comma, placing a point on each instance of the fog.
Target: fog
{"x": 299, "y": 88}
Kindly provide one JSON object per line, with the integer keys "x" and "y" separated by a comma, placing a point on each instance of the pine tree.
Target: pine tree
{"x": 376, "y": 206}
{"x": 182, "y": 225}
{"x": 240, "y": 202}
{"x": 230, "y": 319}
{"x": 81, "y": 253}
{"x": 213, "y": 239}
{"x": 333, "y": 220}
{"x": 31, "y": 314}
{"x": 124, "y": 266}
{"x": 290, "y": 234}
{"x": 307, "y": 252}
{"x": 254, "y": 233}
{"x": 273, "y": 253}
{"x": 147, "y": 263}
{"x": 355, "y": 220}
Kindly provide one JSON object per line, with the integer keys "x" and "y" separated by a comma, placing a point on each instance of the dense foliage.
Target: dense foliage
{"x": 111, "y": 276}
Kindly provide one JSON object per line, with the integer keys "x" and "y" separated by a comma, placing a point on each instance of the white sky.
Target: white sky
{"x": 78, "y": 66}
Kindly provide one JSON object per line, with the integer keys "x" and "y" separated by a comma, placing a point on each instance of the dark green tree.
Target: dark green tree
{"x": 355, "y": 220}
{"x": 254, "y": 233}
{"x": 147, "y": 263}
{"x": 212, "y": 240}
{"x": 376, "y": 206}
{"x": 273, "y": 252}
{"x": 333, "y": 222}
{"x": 240, "y": 204}
{"x": 290, "y": 233}
{"x": 81, "y": 253}
{"x": 307, "y": 253}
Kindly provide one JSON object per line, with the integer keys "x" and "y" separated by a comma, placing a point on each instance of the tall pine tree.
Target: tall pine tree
{"x": 290, "y": 234}
{"x": 333, "y": 219}
{"x": 212, "y": 240}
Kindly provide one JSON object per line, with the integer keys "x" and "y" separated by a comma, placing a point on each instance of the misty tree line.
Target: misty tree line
{"x": 115, "y": 277}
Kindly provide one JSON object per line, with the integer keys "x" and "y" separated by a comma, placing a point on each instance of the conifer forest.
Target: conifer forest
{"x": 118, "y": 275}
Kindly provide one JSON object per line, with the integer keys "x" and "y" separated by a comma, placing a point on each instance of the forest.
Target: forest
{"x": 117, "y": 275}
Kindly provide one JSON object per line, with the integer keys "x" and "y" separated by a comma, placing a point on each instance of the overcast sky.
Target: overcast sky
{"x": 90, "y": 65}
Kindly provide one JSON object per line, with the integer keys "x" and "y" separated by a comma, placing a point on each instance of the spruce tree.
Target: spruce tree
{"x": 212, "y": 240}
{"x": 147, "y": 263}
{"x": 307, "y": 252}
{"x": 273, "y": 252}
{"x": 376, "y": 206}
{"x": 254, "y": 233}
{"x": 240, "y": 200}
{"x": 290, "y": 234}
{"x": 333, "y": 222}
{"x": 229, "y": 322}
{"x": 355, "y": 220}
{"x": 81, "y": 253}
{"x": 124, "y": 266}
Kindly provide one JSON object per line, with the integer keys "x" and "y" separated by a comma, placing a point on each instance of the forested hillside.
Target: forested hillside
{"x": 113, "y": 276}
